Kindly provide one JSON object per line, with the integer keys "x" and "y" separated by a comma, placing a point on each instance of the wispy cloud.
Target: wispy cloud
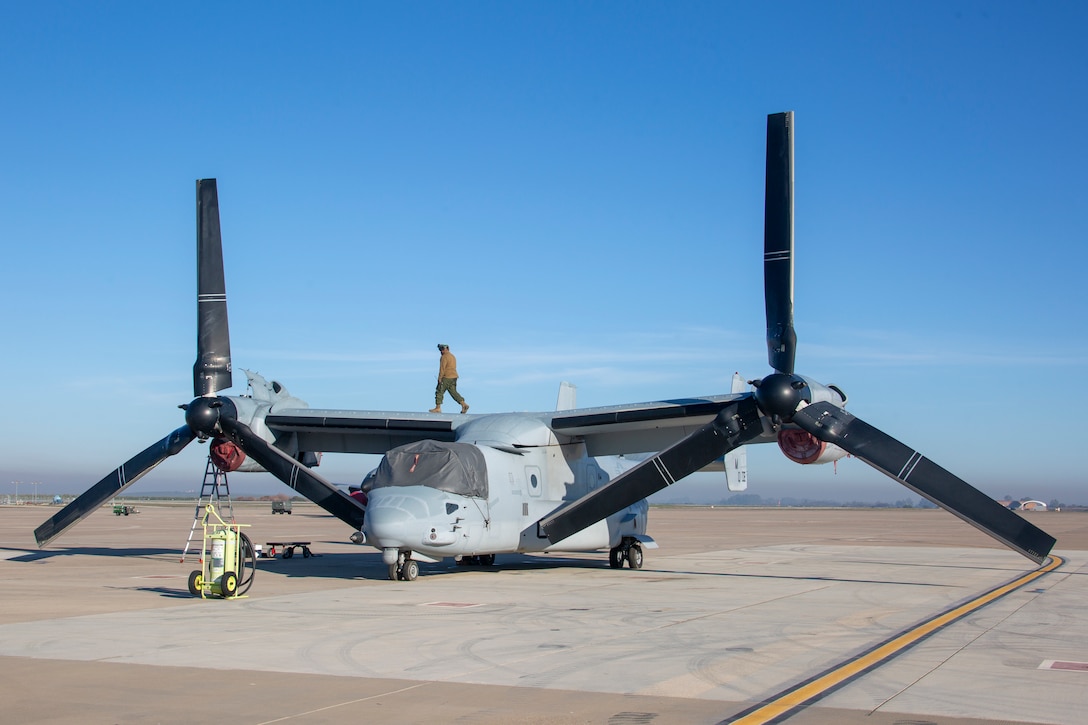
{"x": 879, "y": 347}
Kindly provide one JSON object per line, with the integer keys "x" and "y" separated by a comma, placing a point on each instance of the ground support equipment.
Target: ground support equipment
{"x": 227, "y": 559}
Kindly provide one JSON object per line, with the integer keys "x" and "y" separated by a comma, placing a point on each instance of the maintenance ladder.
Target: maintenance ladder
{"x": 214, "y": 490}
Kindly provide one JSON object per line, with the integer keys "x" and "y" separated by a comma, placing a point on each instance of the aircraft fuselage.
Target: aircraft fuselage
{"x": 417, "y": 511}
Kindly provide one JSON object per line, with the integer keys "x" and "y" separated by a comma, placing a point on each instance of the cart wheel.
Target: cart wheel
{"x": 305, "y": 552}
{"x": 288, "y": 552}
{"x": 196, "y": 583}
{"x": 229, "y": 584}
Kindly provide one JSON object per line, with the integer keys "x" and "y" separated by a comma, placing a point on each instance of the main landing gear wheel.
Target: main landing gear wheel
{"x": 634, "y": 556}
{"x": 615, "y": 557}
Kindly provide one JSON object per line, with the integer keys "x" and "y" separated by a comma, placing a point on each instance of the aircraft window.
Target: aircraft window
{"x": 534, "y": 483}
{"x": 412, "y": 505}
{"x": 451, "y": 508}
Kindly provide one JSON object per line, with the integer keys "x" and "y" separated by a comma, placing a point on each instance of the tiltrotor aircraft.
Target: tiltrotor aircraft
{"x": 473, "y": 486}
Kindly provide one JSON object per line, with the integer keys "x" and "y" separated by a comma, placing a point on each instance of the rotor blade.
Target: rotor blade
{"x": 113, "y": 484}
{"x": 294, "y": 474}
{"x": 734, "y": 425}
{"x": 211, "y": 372}
{"x": 778, "y": 243}
{"x": 832, "y": 424}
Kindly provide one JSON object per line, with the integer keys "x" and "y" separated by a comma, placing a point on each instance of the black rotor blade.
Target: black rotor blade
{"x": 294, "y": 474}
{"x": 211, "y": 372}
{"x": 733, "y": 426}
{"x": 778, "y": 243}
{"x": 921, "y": 475}
{"x": 123, "y": 477}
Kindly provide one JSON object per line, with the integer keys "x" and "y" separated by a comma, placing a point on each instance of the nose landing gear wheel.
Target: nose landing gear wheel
{"x": 405, "y": 570}
{"x": 615, "y": 558}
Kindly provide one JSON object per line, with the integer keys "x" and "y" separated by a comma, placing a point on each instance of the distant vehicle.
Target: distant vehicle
{"x": 281, "y": 507}
{"x": 123, "y": 510}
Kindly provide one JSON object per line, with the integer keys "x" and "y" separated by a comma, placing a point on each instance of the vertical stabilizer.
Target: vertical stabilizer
{"x": 568, "y": 397}
{"x": 736, "y": 469}
{"x": 736, "y": 461}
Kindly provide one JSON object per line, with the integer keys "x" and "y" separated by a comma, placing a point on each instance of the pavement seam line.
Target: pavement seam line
{"x": 346, "y": 702}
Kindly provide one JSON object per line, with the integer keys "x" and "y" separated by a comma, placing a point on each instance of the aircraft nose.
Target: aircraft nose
{"x": 386, "y": 525}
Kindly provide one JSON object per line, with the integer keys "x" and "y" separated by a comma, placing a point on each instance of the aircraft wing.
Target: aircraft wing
{"x": 611, "y": 430}
{"x": 641, "y": 427}
{"x": 359, "y": 431}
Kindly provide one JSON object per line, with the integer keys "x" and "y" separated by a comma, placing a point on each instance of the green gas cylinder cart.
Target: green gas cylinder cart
{"x": 227, "y": 560}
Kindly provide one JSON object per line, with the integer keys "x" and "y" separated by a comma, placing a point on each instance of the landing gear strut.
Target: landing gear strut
{"x": 629, "y": 550}
{"x": 406, "y": 569}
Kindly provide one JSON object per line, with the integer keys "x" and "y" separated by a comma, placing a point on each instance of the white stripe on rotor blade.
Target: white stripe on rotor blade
{"x": 908, "y": 467}
{"x": 662, "y": 471}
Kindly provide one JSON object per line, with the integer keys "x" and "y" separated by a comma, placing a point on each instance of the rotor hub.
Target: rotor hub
{"x": 203, "y": 415}
{"x": 779, "y": 395}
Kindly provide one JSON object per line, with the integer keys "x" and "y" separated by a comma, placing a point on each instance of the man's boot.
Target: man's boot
{"x": 435, "y": 409}
{"x": 464, "y": 407}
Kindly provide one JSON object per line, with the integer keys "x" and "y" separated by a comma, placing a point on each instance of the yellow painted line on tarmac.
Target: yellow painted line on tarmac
{"x": 807, "y": 692}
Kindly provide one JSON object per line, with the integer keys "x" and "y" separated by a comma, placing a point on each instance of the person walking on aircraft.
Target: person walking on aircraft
{"x": 447, "y": 380}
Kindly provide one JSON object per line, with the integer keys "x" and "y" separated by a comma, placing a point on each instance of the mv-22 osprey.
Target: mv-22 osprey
{"x": 473, "y": 486}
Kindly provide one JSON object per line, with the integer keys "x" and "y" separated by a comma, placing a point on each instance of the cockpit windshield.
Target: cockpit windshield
{"x": 454, "y": 467}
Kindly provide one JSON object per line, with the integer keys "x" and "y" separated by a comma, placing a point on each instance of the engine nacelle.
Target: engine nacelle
{"x": 226, "y": 455}
{"x": 802, "y": 447}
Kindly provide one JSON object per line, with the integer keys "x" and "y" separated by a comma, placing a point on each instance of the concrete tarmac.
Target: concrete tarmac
{"x": 729, "y": 619}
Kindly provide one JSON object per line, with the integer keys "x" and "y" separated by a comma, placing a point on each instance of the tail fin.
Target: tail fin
{"x": 568, "y": 396}
{"x": 736, "y": 461}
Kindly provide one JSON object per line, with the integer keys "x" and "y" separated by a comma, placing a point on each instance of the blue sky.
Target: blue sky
{"x": 560, "y": 191}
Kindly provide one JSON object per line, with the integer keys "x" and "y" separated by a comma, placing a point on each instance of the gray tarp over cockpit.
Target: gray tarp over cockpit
{"x": 453, "y": 467}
